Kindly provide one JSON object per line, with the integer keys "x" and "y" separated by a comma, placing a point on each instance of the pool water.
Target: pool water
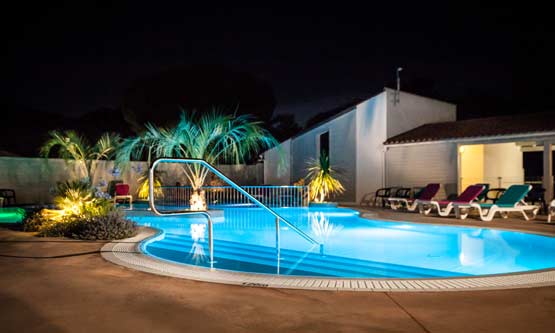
{"x": 245, "y": 241}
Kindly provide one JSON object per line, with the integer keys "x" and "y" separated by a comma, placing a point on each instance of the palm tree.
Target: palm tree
{"x": 74, "y": 148}
{"x": 322, "y": 179}
{"x": 137, "y": 148}
{"x": 214, "y": 137}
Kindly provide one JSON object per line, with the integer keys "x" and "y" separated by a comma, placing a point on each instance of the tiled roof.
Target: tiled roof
{"x": 480, "y": 127}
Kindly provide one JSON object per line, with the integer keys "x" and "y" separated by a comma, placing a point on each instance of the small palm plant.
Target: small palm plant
{"x": 75, "y": 148}
{"x": 144, "y": 187}
{"x": 323, "y": 180}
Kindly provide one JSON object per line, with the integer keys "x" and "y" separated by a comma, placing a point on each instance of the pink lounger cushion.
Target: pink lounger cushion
{"x": 429, "y": 192}
{"x": 470, "y": 194}
{"x": 444, "y": 207}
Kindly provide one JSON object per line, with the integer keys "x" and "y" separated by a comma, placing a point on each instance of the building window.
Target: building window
{"x": 325, "y": 143}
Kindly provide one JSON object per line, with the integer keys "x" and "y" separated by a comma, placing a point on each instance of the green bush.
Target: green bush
{"x": 33, "y": 222}
{"x": 53, "y": 228}
{"x": 48, "y": 227}
{"x": 64, "y": 188}
{"x": 80, "y": 215}
{"x": 108, "y": 226}
{"x": 113, "y": 225}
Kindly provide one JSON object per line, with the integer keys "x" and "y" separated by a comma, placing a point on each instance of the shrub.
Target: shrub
{"x": 108, "y": 226}
{"x": 55, "y": 228}
{"x": 33, "y": 222}
{"x": 112, "y": 225}
{"x": 82, "y": 187}
{"x": 80, "y": 215}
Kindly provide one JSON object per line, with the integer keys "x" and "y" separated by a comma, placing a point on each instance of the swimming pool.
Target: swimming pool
{"x": 355, "y": 247}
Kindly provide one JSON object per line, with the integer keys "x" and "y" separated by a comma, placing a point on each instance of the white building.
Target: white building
{"x": 410, "y": 140}
{"x": 356, "y": 139}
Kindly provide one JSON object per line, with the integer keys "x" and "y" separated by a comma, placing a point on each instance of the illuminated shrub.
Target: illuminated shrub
{"x": 77, "y": 208}
{"x": 323, "y": 180}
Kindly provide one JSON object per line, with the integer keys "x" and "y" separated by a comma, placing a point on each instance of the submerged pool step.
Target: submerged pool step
{"x": 295, "y": 260}
{"x": 313, "y": 258}
{"x": 362, "y": 263}
{"x": 233, "y": 260}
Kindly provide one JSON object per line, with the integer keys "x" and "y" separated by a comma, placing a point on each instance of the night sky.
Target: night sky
{"x": 77, "y": 59}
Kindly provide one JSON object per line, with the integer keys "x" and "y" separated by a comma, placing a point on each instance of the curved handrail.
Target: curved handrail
{"x": 227, "y": 180}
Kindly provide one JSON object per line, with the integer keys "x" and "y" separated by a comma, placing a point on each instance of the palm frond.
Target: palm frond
{"x": 213, "y": 136}
{"x": 73, "y": 147}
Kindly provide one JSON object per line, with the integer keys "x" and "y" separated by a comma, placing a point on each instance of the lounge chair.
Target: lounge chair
{"x": 426, "y": 194}
{"x": 444, "y": 207}
{"x": 483, "y": 195}
{"x": 493, "y": 194}
{"x": 537, "y": 196}
{"x": 382, "y": 194}
{"x": 401, "y": 192}
{"x": 8, "y": 195}
{"x": 511, "y": 201}
{"x": 551, "y": 211}
{"x": 371, "y": 198}
{"x": 122, "y": 193}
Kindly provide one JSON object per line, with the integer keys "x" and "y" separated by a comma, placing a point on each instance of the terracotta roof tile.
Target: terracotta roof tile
{"x": 481, "y": 127}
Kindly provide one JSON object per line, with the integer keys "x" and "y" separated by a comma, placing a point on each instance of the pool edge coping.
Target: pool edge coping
{"x": 127, "y": 253}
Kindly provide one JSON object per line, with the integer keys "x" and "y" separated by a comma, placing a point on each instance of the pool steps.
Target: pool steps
{"x": 229, "y": 254}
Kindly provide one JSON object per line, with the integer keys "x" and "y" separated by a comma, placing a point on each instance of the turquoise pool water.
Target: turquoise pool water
{"x": 244, "y": 240}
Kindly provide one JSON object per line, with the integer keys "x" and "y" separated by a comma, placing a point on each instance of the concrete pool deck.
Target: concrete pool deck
{"x": 57, "y": 285}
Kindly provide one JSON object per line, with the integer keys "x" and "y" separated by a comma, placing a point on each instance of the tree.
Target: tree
{"x": 213, "y": 136}
{"x": 75, "y": 148}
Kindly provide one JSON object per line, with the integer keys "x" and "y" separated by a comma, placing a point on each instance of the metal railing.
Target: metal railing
{"x": 270, "y": 196}
{"x": 232, "y": 184}
{"x": 492, "y": 181}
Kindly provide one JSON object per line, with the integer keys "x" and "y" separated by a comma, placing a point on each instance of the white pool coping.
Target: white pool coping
{"x": 127, "y": 253}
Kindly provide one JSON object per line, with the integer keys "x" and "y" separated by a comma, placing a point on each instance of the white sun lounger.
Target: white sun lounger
{"x": 512, "y": 201}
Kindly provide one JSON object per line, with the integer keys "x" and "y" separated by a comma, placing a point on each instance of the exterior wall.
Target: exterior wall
{"x": 499, "y": 164}
{"x": 413, "y": 111}
{"x": 418, "y": 165}
{"x": 503, "y": 160}
{"x": 342, "y": 152}
{"x": 277, "y": 164}
{"x": 244, "y": 174}
{"x": 371, "y": 133}
{"x": 471, "y": 165}
{"x": 356, "y": 143}
{"x": 33, "y": 178}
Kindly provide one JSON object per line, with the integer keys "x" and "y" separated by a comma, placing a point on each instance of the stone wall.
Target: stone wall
{"x": 33, "y": 178}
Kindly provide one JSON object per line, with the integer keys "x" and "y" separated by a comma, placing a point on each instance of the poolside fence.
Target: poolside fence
{"x": 271, "y": 196}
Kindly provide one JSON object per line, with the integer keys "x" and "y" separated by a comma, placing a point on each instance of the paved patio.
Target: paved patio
{"x": 54, "y": 285}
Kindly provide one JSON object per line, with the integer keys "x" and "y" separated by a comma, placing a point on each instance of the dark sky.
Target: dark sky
{"x": 74, "y": 59}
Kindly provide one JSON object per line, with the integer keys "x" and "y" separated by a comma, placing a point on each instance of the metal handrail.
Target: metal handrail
{"x": 204, "y": 213}
{"x": 232, "y": 184}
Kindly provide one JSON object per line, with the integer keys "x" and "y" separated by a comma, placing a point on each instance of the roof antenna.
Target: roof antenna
{"x": 398, "y": 91}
